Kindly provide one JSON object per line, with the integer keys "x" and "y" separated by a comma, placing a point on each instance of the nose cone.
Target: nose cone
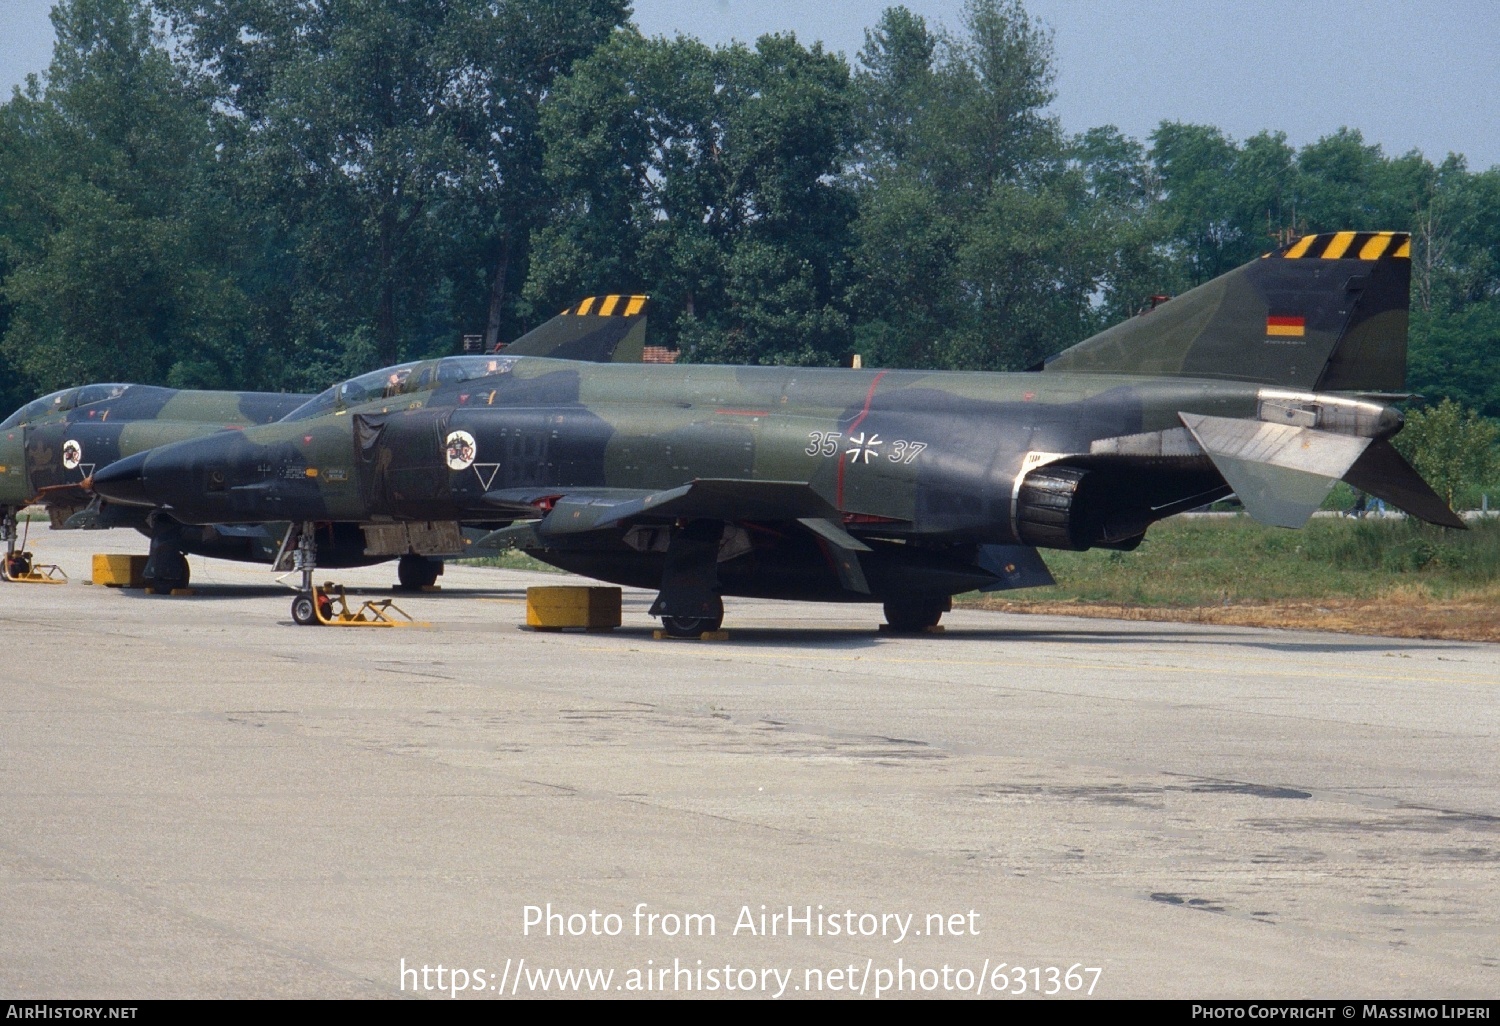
{"x": 124, "y": 481}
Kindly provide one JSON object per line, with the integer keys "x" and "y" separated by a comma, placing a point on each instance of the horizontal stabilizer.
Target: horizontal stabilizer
{"x": 1014, "y": 566}
{"x": 1280, "y": 472}
{"x": 1383, "y": 473}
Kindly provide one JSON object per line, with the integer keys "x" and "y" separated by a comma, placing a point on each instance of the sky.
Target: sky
{"x": 1409, "y": 74}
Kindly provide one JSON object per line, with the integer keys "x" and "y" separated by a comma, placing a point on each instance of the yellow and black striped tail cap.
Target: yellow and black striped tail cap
{"x": 608, "y": 306}
{"x": 1349, "y": 246}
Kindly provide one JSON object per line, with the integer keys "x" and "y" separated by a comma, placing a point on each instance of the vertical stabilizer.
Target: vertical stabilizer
{"x": 600, "y": 329}
{"x": 1326, "y": 313}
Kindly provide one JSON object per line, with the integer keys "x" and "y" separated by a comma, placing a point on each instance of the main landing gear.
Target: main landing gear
{"x": 915, "y": 615}
{"x": 689, "y": 603}
{"x": 418, "y": 572}
{"x": 711, "y": 619}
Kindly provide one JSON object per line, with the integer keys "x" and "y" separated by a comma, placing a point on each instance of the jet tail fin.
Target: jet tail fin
{"x": 600, "y": 329}
{"x": 1326, "y": 313}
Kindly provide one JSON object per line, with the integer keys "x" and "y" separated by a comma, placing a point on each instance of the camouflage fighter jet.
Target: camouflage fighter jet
{"x": 902, "y": 487}
{"x": 51, "y": 447}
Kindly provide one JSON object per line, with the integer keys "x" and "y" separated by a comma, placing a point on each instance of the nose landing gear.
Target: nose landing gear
{"x": 328, "y": 606}
{"x": 18, "y": 567}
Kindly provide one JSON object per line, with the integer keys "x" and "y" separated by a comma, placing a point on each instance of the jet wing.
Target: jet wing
{"x": 577, "y": 511}
{"x": 580, "y": 511}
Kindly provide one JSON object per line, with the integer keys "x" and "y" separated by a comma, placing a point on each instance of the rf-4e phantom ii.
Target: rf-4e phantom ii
{"x": 903, "y": 487}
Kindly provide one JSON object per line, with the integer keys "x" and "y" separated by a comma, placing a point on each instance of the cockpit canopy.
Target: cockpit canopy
{"x": 402, "y": 380}
{"x": 63, "y": 401}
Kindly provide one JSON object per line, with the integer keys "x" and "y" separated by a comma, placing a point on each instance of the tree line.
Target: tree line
{"x": 276, "y": 194}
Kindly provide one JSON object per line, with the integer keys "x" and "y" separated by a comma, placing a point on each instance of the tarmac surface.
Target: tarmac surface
{"x": 199, "y": 799}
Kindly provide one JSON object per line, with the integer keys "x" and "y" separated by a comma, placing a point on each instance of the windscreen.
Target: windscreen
{"x": 401, "y": 380}
{"x": 63, "y": 401}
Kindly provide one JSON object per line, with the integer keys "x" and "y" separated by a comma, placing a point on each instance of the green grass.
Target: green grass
{"x": 1201, "y": 561}
{"x": 512, "y": 559}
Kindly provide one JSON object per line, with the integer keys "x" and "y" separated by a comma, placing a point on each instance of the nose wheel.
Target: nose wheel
{"x": 306, "y": 607}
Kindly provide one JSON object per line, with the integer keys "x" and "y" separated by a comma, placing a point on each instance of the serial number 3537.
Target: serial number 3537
{"x": 862, "y": 447}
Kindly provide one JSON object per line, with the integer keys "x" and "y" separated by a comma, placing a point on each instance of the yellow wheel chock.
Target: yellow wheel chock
{"x": 331, "y": 607}
{"x": 19, "y": 569}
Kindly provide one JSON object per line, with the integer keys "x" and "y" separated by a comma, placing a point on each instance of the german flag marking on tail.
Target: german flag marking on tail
{"x": 1286, "y": 327}
{"x": 1349, "y": 246}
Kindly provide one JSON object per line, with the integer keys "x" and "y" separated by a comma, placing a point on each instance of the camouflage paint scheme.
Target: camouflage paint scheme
{"x": 904, "y": 487}
{"x": 108, "y": 421}
{"x": 50, "y": 447}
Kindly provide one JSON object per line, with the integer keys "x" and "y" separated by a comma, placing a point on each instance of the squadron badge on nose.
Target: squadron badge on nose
{"x": 72, "y": 454}
{"x": 460, "y": 450}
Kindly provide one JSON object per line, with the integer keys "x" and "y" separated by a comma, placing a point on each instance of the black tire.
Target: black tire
{"x": 912, "y": 616}
{"x": 304, "y": 612}
{"x": 417, "y": 572}
{"x": 18, "y": 565}
{"x": 172, "y": 572}
{"x": 693, "y": 626}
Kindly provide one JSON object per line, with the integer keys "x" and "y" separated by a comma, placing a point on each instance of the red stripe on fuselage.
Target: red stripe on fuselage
{"x": 865, "y": 412}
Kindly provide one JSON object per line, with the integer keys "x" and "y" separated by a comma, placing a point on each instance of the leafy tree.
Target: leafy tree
{"x": 1223, "y": 203}
{"x": 1122, "y": 196}
{"x": 972, "y": 246}
{"x": 1456, "y": 355}
{"x": 709, "y": 177}
{"x": 1450, "y": 446}
{"x": 111, "y": 217}
{"x": 396, "y": 144}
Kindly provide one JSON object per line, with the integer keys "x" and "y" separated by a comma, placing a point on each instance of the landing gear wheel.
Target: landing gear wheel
{"x": 172, "y": 573}
{"x": 18, "y": 565}
{"x": 914, "y": 616}
{"x": 304, "y": 611}
{"x": 693, "y": 626}
{"x": 417, "y": 572}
